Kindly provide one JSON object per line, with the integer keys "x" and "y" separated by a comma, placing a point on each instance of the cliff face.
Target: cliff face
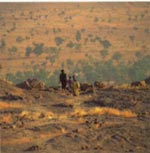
{"x": 38, "y": 39}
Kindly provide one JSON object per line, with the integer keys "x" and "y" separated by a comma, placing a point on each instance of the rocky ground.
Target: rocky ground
{"x": 110, "y": 120}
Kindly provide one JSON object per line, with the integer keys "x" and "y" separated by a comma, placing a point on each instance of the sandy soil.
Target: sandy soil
{"x": 52, "y": 121}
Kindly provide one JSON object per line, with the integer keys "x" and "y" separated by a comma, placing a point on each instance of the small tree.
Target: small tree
{"x": 28, "y": 51}
{"x": 38, "y": 48}
{"x": 78, "y": 36}
{"x": 59, "y": 41}
{"x": 70, "y": 44}
{"x": 117, "y": 56}
{"x": 105, "y": 43}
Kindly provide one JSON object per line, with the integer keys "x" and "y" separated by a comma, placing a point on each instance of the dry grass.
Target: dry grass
{"x": 6, "y": 105}
{"x": 104, "y": 110}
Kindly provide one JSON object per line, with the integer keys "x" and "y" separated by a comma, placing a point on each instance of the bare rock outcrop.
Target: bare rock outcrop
{"x": 31, "y": 83}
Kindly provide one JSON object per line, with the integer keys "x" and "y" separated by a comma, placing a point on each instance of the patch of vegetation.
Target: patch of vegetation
{"x": 77, "y": 46}
{"x": 56, "y": 30}
{"x": 147, "y": 31}
{"x": 38, "y": 48}
{"x": 140, "y": 69}
{"x": 105, "y": 43}
{"x": 69, "y": 63}
{"x": 116, "y": 56}
{"x": 19, "y": 39}
{"x": 132, "y": 38}
{"x": 78, "y": 35}
{"x": 59, "y": 41}
{"x": 70, "y": 44}
{"x": 138, "y": 54}
{"x": 104, "y": 52}
{"x": 96, "y": 19}
{"x": 52, "y": 49}
{"x": 2, "y": 43}
{"x": 28, "y": 51}
{"x": 13, "y": 49}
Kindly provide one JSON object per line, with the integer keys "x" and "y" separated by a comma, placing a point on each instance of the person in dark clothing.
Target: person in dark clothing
{"x": 63, "y": 79}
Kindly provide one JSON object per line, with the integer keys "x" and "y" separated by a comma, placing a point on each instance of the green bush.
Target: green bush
{"x": 105, "y": 43}
{"x": 59, "y": 41}
{"x": 116, "y": 56}
{"x": 38, "y": 48}
{"x": 28, "y": 51}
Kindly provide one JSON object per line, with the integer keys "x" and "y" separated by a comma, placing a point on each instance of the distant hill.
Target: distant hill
{"x": 98, "y": 41}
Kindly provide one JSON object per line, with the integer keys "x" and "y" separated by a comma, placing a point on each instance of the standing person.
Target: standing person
{"x": 75, "y": 87}
{"x": 69, "y": 82}
{"x": 63, "y": 79}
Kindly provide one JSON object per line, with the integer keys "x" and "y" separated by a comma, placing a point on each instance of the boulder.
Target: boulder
{"x": 85, "y": 86}
{"x": 147, "y": 81}
{"x": 31, "y": 83}
{"x": 99, "y": 84}
{"x": 138, "y": 83}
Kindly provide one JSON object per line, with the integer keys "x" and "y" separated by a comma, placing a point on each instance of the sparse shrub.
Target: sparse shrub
{"x": 19, "y": 39}
{"x": 147, "y": 31}
{"x": 46, "y": 32}
{"x": 52, "y": 49}
{"x": 61, "y": 13}
{"x": 78, "y": 36}
{"x": 97, "y": 38}
{"x": 83, "y": 30}
{"x": 28, "y": 51}
{"x": 117, "y": 56}
{"x": 77, "y": 46}
{"x": 110, "y": 20}
{"x": 13, "y": 49}
{"x": 27, "y": 37}
{"x": 70, "y": 44}
{"x": 38, "y": 48}
{"x": 104, "y": 52}
{"x": 90, "y": 35}
{"x": 69, "y": 63}
{"x": 56, "y": 30}
{"x": 132, "y": 38}
{"x": 2, "y": 43}
{"x": 105, "y": 43}
{"x": 138, "y": 54}
{"x": 59, "y": 41}
{"x": 142, "y": 15}
{"x": 96, "y": 19}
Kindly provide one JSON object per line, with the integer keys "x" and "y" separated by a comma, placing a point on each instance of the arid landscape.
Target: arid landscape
{"x": 107, "y": 120}
{"x": 106, "y": 46}
{"x": 99, "y": 41}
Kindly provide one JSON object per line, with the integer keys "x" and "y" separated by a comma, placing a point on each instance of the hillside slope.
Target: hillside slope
{"x": 38, "y": 39}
